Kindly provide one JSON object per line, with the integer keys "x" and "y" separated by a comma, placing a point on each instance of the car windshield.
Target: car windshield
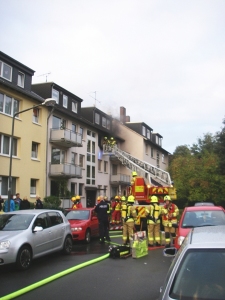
{"x": 78, "y": 215}
{"x": 201, "y": 276}
{"x": 203, "y": 218}
{"x": 14, "y": 222}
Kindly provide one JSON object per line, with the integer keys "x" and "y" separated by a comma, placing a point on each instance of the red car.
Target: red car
{"x": 83, "y": 223}
{"x": 198, "y": 216}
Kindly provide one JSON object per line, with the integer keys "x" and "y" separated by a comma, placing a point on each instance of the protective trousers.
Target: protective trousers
{"x": 169, "y": 230}
{"x": 153, "y": 233}
{"x": 128, "y": 230}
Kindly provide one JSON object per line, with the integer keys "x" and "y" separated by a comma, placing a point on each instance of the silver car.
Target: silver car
{"x": 28, "y": 234}
{"x": 197, "y": 271}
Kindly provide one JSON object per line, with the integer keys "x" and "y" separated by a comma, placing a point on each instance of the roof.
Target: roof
{"x": 207, "y": 237}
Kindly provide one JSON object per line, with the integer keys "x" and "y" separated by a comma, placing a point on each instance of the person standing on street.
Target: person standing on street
{"x": 102, "y": 209}
{"x": 38, "y": 203}
{"x": 153, "y": 222}
{"x": 24, "y": 204}
{"x": 170, "y": 212}
{"x": 17, "y": 201}
{"x": 12, "y": 205}
{"x": 129, "y": 214}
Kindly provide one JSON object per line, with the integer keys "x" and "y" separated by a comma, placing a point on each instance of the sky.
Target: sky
{"x": 163, "y": 60}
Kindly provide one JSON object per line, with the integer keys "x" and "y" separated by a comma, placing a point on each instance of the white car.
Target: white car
{"x": 28, "y": 234}
{"x": 197, "y": 271}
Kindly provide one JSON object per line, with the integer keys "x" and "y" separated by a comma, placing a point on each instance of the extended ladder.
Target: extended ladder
{"x": 154, "y": 175}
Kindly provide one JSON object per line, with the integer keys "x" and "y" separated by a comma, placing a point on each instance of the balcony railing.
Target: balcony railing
{"x": 65, "y": 138}
{"x": 120, "y": 178}
{"x": 65, "y": 170}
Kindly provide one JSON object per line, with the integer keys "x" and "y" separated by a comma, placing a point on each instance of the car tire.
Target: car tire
{"x": 68, "y": 245}
{"x": 24, "y": 258}
{"x": 87, "y": 236}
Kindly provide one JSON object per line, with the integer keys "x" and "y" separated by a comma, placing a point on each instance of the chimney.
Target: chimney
{"x": 127, "y": 119}
{"x": 122, "y": 114}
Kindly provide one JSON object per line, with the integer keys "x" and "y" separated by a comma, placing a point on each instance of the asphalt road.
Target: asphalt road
{"x": 106, "y": 279}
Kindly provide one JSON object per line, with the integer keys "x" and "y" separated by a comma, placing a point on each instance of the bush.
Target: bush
{"x": 52, "y": 202}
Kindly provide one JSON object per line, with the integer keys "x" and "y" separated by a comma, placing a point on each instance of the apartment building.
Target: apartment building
{"x": 29, "y": 142}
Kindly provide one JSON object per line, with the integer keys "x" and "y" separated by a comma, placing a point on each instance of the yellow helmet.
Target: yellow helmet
{"x": 154, "y": 199}
{"x": 77, "y": 197}
{"x": 117, "y": 197}
{"x": 106, "y": 198}
{"x": 73, "y": 198}
{"x": 167, "y": 198}
{"x": 123, "y": 198}
{"x": 130, "y": 199}
{"x": 134, "y": 173}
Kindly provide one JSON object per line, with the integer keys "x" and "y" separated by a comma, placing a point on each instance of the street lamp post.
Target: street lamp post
{"x": 47, "y": 102}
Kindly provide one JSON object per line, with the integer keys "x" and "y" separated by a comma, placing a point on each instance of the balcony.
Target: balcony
{"x": 120, "y": 179}
{"x": 65, "y": 138}
{"x": 65, "y": 170}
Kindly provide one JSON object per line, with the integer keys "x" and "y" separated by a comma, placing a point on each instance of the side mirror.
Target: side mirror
{"x": 169, "y": 252}
{"x": 37, "y": 229}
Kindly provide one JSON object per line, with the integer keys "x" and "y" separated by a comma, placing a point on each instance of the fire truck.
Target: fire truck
{"x": 147, "y": 180}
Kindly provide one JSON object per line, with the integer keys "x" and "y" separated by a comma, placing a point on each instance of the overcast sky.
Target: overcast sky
{"x": 163, "y": 60}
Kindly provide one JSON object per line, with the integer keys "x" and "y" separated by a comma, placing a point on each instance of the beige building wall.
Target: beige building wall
{"x": 24, "y": 167}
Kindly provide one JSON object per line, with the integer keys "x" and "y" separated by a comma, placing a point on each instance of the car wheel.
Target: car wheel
{"x": 88, "y": 236}
{"x": 68, "y": 244}
{"x": 24, "y": 257}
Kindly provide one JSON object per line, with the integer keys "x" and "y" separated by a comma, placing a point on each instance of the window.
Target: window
{"x": 157, "y": 159}
{"x": 105, "y": 166}
{"x": 8, "y": 105}
{"x": 73, "y": 158}
{"x": 73, "y": 188}
{"x": 152, "y": 152}
{"x": 55, "y": 218}
{"x": 4, "y": 186}
{"x": 114, "y": 169}
{"x": 5, "y": 145}
{"x": 108, "y": 124}
{"x": 36, "y": 113}
{"x": 103, "y": 122}
{"x": 74, "y": 128}
{"x": 55, "y": 95}
{"x": 148, "y": 134}
{"x": 34, "y": 150}
{"x": 20, "y": 79}
{"x": 146, "y": 149}
{"x": 5, "y": 71}
{"x": 33, "y": 187}
{"x": 99, "y": 165}
{"x": 74, "y": 106}
{"x": 81, "y": 160}
{"x": 58, "y": 156}
{"x": 65, "y": 101}
{"x": 58, "y": 123}
{"x": 144, "y": 130}
{"x": 80, "y": 192}
{"x": 81, "y": 132}
{"x": 163, "y": 158}
{"x": 97, "y": 118}
{"x": 88, "y": 132}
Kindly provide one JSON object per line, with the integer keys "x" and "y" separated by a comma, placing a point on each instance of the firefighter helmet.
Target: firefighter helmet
{"x": 105, "y": 198}
{"x": 130, "y": 199}
{"x": 123, "y": 198}
{"x": 116, "y": 197}
{"x": 73, "y": 198}
{"x": 154, "y": 199}
{"x": 167, "y": 198}
{"x": 134, "y": 173}
{"x": 77, "y": 197}
{"x": 98, "y": 199}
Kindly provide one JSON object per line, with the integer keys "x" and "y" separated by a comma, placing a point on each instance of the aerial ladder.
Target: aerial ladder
{"x": 153, "y": 175}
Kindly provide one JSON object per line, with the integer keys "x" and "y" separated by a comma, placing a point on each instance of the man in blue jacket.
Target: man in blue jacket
{"x": 12, "y": 204}
{"x": 102, "y": 209}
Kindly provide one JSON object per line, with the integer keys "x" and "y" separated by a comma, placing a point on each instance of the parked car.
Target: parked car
{"x": 84, "y": 224}
{"x": 28, "y": 234}
{"x": 198, "y": 268}
{"x": 204, "y": 204}
{"x": 197, "y": 216}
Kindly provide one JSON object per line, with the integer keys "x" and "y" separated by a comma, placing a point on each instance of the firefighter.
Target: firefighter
{"x": 116, "y": 214}
{"x": 170, "y": 212}
{"x": 128, "y": 220}
{"x": 153, "y": 222}
{"x": 76, "y": 202}
{"x": 134, "y": 175}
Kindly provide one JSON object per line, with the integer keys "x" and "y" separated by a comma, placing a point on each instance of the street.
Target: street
{"x": 106, "y": 279}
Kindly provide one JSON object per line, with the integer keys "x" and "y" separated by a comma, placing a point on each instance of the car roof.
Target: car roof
{"x": 32, "y": 211}
{"x": 203, "y": 207}
{"x": 207, "y": 237}
{"x": 84, "y": 208}
{"x": 204, "y": 204}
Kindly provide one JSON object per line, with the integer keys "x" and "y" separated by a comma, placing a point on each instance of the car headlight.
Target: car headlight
{"x": 76, "y": 228}
{"x": 4, "y": 245}
{"x": 180, "y": 240}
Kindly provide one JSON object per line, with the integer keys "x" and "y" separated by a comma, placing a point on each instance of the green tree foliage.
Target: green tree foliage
{"x": 198, "y": 171}
{"x": 52, "y": 202}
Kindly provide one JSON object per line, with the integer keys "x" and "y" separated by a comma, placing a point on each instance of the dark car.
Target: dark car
{"x": 84, "y": 223}
{"x": 198, "y": 216}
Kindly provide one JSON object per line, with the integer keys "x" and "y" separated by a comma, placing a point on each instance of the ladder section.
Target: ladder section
{"x": 151, "y": 173}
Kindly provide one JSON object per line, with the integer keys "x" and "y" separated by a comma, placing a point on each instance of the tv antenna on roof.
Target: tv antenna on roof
{"x": 94, "y": 98}
{"x": 46, "y": 74}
